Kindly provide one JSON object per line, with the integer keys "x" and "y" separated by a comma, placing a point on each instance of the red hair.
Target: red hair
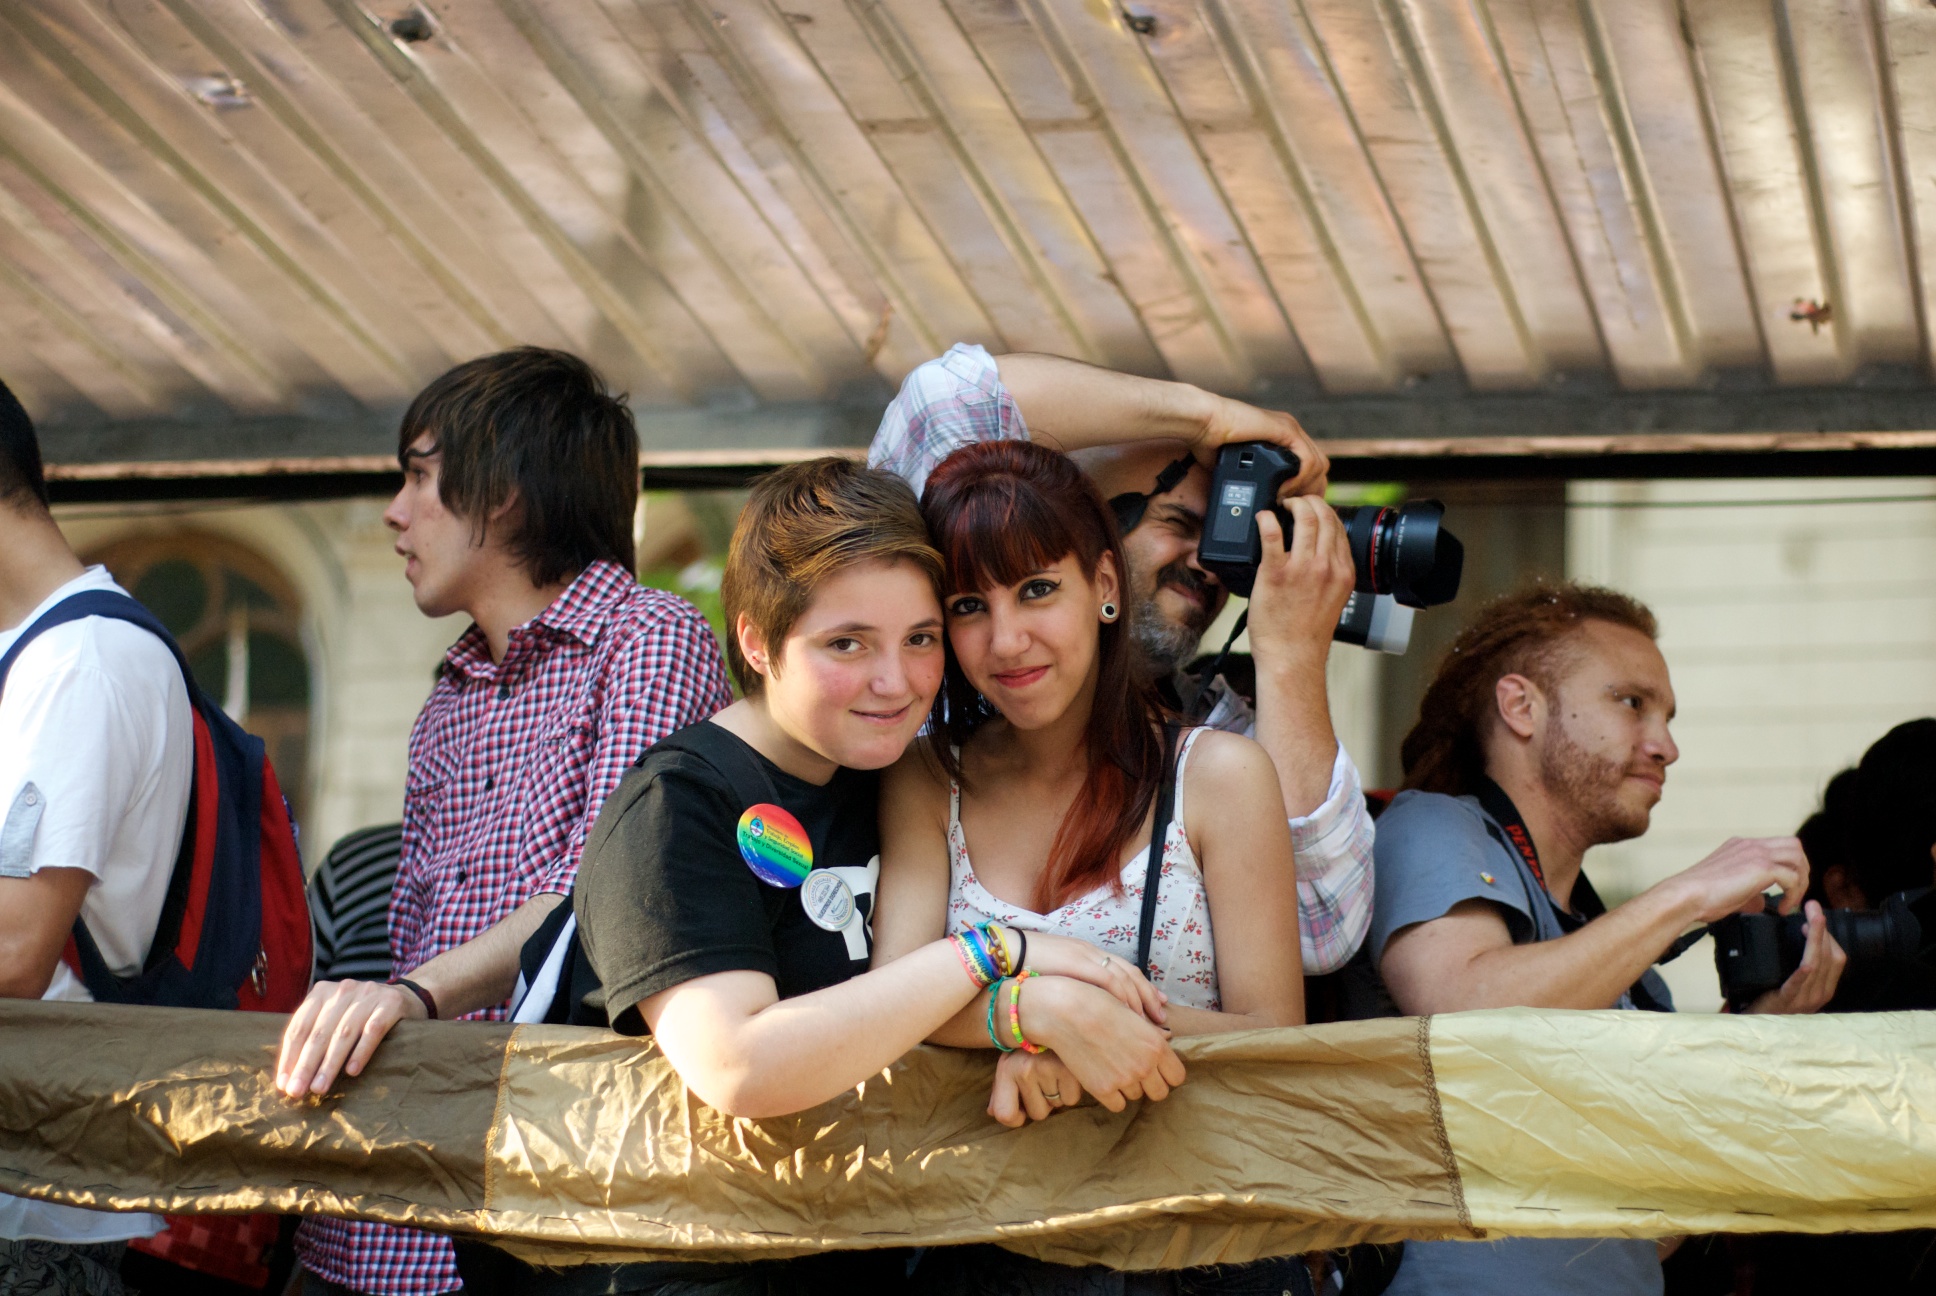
{"x": 1523, "y": 633}
{"x": 1000, "y": 511}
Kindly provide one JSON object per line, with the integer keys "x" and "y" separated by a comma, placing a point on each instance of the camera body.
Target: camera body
{"x": 1755, "y": 953}
{"x": 1404, "y": 557}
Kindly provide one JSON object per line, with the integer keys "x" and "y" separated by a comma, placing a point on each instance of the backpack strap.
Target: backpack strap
{"x": 728, "y": 753}
{"x": 94, "y": 603}
{"x": 1159, "y": 836}
{"x": 87, "y": 959}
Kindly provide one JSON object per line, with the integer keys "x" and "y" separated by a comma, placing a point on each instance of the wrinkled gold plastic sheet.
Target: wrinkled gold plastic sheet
{"x": 569, "y": 1145}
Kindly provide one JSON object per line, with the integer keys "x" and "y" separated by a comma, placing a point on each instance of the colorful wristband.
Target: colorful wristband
{"x": 980, "y": 941}
{"x": 975, "y": 958}
{"x": 994, "y": 1035}
{"x": 998, "y": 936}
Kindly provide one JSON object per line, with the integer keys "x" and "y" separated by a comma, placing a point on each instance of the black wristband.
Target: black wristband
{"x": 1021, "y": 959}
{"x": 430, "y": 1004}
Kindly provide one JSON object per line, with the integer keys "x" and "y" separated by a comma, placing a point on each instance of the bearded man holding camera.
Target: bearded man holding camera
{"x": 1543, "y": 734}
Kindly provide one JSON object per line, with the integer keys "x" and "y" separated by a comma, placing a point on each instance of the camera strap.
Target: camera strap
{"x": 1494, "y": 801}
{"x": 1587, "y": 904}
{"x": 1209, "y": 671}
{"x": 1130, "y": 505}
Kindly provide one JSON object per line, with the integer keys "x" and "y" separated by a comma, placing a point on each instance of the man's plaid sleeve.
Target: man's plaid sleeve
{"x": 945, "y": 404}
{"x": 1332, "y": 846}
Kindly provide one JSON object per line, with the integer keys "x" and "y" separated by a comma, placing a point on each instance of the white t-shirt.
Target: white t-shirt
{"x": 94, "y": 715}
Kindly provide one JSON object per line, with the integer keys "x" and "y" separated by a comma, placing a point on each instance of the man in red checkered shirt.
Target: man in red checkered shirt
{"x": 521, "y": 474}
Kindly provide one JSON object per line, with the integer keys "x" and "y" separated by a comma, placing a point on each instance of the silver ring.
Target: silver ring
{"x": 1055, "y": 1097}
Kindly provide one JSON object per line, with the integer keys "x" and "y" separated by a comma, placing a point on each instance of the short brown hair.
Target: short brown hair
{"x": 541, "y": 424}
{"x": 802, "y": 524}
{"x": 1523, "y": 633}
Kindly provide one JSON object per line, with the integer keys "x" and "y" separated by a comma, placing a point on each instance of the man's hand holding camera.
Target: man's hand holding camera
{"x": 1735, "y": 880}
{"x": 1232, "y": 422}
{"x": 1301, "y": 585}
{"x": 1300, "y": 591}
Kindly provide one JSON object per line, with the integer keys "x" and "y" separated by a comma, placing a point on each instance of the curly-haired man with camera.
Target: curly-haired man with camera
{"x": 1545, "y": 733}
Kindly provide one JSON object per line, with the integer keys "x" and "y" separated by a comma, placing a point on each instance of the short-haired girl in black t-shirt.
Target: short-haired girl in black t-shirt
{"x": 1046, "y": 756}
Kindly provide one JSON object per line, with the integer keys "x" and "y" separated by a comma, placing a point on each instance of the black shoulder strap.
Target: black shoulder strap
{"x": 728, "y": 753}
{"x": 1159, "y": 833}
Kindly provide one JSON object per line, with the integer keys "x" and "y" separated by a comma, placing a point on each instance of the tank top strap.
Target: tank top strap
{"x": 954, "y": 796}
{"x": 1190, "y": 737}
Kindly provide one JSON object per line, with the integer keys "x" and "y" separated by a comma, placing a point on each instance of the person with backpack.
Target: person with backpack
{"x": 521, "y": 475}
{"x": 96, "y": 763}
{"x": 146, "y": 857}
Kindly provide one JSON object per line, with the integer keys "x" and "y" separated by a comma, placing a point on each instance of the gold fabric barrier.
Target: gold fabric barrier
{"x": 572, "y": 1145}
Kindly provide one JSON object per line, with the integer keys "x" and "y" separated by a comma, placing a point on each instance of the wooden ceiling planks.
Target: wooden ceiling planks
{"x": 759, "y": 214}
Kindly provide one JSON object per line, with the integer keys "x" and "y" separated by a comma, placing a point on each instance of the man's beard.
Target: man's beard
{"x": 1590, "y": 786}
{"x": 1167, "y": 645}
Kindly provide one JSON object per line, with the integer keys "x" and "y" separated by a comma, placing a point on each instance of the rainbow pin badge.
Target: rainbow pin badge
{"x": 775, "y": 846}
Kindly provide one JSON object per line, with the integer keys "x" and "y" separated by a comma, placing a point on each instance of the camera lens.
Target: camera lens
{"x": 1405, "y": 552}
{"x": 1886, "y": 937}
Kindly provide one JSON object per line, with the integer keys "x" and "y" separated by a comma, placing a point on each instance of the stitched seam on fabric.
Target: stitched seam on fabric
{"x": 497, "y": 1118}
{"x": 1438, "y": 1127}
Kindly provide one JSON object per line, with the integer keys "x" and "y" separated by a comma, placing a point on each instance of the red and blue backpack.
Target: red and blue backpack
{"x": 234, "y": 930}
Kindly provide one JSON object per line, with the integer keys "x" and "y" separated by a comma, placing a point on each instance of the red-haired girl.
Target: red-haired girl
{"x": 1032, "y": 803}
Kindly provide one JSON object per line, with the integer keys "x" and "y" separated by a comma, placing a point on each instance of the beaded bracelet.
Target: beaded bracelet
{"x": 1015, "y": 1016}
{"x": 995, "y": 1036}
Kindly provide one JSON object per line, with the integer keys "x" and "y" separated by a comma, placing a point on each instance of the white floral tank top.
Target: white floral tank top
{"x": 1183, "y": 960}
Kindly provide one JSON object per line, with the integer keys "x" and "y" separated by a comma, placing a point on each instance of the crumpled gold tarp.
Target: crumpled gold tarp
{"x": 574, "y": 1145}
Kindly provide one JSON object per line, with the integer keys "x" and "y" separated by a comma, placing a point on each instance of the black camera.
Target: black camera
{"x": 1755, "y": 953}
{"x": 1403, "y": 552}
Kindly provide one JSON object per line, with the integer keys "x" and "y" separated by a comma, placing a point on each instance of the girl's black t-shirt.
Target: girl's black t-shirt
{"x": 666, "y": 893}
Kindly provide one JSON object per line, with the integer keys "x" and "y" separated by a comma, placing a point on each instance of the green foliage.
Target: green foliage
{"x": 1383, "y": 494}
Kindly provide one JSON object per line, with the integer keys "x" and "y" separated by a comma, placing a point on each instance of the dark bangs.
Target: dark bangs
{"x": 1001, "y": 528}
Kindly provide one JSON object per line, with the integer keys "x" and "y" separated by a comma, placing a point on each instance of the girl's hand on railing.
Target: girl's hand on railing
{"x": 1114, "y": 1052}
{"x": 1031, "y": 1086}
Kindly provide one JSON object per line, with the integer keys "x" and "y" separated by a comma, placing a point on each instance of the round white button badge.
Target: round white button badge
{"x": 828, "y": 900}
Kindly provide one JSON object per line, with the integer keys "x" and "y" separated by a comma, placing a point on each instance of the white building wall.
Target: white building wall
{"x": 1796, "y": 635}
{"x": 371, "y": 653}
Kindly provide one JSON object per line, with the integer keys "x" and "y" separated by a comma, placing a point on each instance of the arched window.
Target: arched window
{"x": 238, "y": 622}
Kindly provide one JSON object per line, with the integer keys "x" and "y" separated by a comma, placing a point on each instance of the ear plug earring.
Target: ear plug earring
{"x": 1109, "y": 611}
